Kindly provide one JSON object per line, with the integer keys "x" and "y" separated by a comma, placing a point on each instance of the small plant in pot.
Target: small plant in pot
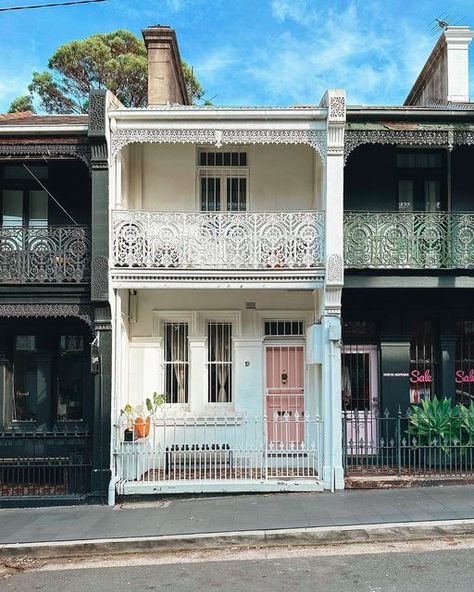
{"x": 138, "y": 419}
{"x": 128, "y": 413}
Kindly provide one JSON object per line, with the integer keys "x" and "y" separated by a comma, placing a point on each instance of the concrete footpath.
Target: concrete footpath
{"x": 206, "y": 522}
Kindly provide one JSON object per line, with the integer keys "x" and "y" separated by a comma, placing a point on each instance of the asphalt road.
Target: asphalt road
{"x": 416, "y": 570}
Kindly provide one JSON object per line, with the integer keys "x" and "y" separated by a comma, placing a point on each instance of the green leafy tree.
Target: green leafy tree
{"x": 23, "y": 103}
{"x": 116, "y": 61}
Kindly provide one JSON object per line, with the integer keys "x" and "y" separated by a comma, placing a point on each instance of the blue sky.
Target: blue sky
{"x": 252, "y": 52}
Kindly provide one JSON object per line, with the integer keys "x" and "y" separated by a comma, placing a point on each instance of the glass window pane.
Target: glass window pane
{"x": 210, "y": 194}
{"x": 71, "y": 368}
{"x": 12, "y": 201}
{"x": 405, "y": 160}
{"x": 422, "y": 361}
{"x": 20, "y": 172}
{"x": 405, "y": 195}
{"x": 176, "y": 360}
{"x": 242, "y": 194}
{"x": 236, "y": 194}
{"x": 219, "y": 362}
{"x": 31, "y": 378}
{"x": 356, "y": 380}
{"x": 38, "y": 214}
{"x": 432, "y": 197}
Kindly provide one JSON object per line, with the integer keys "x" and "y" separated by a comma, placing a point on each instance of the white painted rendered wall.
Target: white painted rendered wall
{"x": 163, "y": 177}
{"x": 145, "y": 349}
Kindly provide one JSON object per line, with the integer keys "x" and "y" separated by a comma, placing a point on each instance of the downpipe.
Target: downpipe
{"x": 112, "y": 490}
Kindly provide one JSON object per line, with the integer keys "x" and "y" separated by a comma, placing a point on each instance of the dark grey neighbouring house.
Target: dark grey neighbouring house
{"x": 55, "y": 332}
{"x": 407, "y": 308}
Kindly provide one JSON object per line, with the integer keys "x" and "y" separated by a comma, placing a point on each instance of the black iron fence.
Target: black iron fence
{"x": 44, "y": 464}
{"x": 382, "y": 445}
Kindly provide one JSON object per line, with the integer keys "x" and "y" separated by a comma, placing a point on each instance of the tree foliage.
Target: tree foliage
{"x": 116, "y": 61}
{"x": 23, "y": 103}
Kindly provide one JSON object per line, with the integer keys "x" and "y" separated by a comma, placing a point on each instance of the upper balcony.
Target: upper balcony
{"x": 42, "y": 255}
{"x": 202, "y": 216}
{"x": 218, "y": 243}
{"x": 409, "y": 207}
{"x": 408, "y": 240}
{"x": 45, "y": 232}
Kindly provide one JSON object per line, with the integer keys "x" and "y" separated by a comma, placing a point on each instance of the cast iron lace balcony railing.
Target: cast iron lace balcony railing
{"x": 52, "y": 254}
{"x": 209, "y": 240}
{"x": 408, "y": 240}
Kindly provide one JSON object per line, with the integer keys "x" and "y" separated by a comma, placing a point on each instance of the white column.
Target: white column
{"x": 330, "y": 305}
{"x": 197, "y": 375}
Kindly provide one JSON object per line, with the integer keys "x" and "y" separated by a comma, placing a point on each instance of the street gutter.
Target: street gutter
{"x": 303, "y": 537}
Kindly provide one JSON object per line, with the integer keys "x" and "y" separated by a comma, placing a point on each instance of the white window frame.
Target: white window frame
{"x": 172, "y": 363}
{"x": 160, "y": 319}
{"x": 234, "y": 320}
{"x": 223, "y": 173}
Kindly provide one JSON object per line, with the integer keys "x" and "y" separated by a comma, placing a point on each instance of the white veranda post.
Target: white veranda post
{"x": 330, "y": 306}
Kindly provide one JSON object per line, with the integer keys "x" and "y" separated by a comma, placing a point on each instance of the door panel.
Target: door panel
{"x": 284, "y": 396}
{"x": 360, "y": 396}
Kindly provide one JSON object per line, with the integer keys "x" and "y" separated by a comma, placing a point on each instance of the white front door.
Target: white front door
{"x": 360, "y": 398}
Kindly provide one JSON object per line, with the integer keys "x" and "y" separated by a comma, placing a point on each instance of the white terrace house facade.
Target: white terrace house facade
{"x": 226, "y": 274}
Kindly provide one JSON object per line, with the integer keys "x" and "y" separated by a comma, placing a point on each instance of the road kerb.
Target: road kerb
{"x": 317, "y": 536}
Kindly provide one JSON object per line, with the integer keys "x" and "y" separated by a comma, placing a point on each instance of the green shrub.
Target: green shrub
{"x": 435, "y": 423}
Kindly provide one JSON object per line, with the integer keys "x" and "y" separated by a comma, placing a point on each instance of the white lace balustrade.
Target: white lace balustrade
{"x": 209, "y": 240}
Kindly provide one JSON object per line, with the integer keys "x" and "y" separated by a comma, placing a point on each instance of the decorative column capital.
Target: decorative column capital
{"x": 335, "y": 102}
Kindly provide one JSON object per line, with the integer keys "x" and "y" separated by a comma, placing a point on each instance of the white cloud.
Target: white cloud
{"x": 297, "y": 10}
{"x": 212, "y": 64}
{"x": 356, "y": 48}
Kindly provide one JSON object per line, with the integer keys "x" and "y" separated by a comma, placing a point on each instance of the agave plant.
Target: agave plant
{"x": 435, "y": 423}
{"x": 466, "y": 419}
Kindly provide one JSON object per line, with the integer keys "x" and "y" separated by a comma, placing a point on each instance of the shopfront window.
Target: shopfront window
{"x": 70, "y": 377}
{"x": 31, "y": 382}
{"x": 464, "y": 363}
{"x": 49, "y": 378}
{"x": 422, "y": 361}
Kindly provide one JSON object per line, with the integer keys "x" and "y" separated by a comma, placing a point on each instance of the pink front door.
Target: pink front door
{"x": 284, "y": 396}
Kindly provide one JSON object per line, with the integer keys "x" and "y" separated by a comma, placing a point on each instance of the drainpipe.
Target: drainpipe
{"x": 334, "y": 338}
{"x": 112, "y": 487}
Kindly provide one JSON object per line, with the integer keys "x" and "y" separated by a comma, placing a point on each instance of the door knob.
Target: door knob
{"x": 284, "y": 377}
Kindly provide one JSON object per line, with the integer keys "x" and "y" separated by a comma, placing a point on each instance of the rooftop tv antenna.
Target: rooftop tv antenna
{"x": 443, "y": 21}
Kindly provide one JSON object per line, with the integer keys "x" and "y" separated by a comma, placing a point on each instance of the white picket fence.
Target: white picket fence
{"x": 239, "y": 453}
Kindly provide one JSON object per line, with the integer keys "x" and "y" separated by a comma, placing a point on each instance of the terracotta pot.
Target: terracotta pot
{"x": 142, "y": 428}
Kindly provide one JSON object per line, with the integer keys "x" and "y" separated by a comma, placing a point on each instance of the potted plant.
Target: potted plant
{"x": 138, "y": 419}
{"x": 127, "y": 412}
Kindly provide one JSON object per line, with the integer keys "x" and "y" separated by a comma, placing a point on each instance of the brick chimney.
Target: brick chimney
{"x": 445, "y": 76}
{"x": 166, "y": 83}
